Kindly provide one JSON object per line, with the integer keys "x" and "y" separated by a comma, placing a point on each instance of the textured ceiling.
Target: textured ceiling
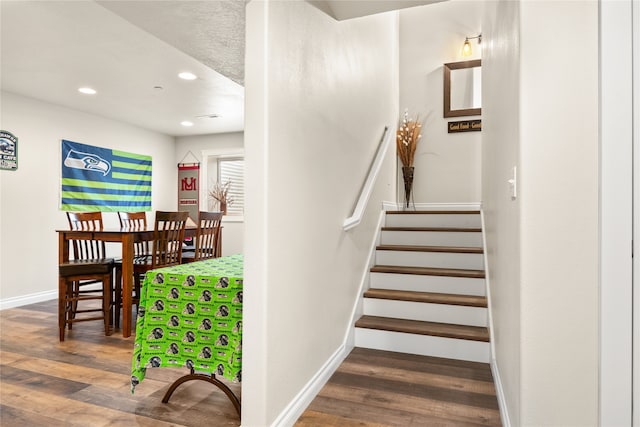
{"x": 51, "y": 48}
{"x": 210, "y": 31}
{"x": 131, "y": 51}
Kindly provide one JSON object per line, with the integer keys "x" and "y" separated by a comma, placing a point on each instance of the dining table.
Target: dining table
{"x": 190, "y": 316}
{"x": 127, "y": 236}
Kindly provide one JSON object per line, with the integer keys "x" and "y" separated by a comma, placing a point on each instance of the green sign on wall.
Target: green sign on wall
{"x": 8, "y": 151}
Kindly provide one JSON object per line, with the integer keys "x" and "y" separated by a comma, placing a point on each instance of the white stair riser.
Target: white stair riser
{"x": 432, "y": 220}
{"x": 424, "y": 345}
{"x": 428, "y": 312}
{"x": 430, "y": 259}
{"x": 432, "y": 238}
{"x": 422, "y": 283}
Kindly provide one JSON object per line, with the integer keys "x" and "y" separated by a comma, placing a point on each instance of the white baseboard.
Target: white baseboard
{"x": 470, "y": 206}
{"x": 296, "y": 407}
{"x": 502, "y": 403}
{"x": 28, "y": 299}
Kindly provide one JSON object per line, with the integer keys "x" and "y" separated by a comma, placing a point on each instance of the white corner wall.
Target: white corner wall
{"x": 29, "y": 197}
{"x": 500, "y": 153}
{"x": 318, "y": 95}
{"x": 543, "y": 248}
{"x": 559, "y": 151}
{"x": 189, "y": 149}
{"x": 447, "y": 165}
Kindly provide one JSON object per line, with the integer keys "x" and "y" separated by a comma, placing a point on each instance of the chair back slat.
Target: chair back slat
{"x": 168, "y": 235}
{"x": 87, "y": 221}
{"x": 135, "y": 221}
{"x": 207, "y": 235}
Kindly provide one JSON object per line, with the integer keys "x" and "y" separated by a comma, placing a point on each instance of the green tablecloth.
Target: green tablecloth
{"x": 190, "y": 316}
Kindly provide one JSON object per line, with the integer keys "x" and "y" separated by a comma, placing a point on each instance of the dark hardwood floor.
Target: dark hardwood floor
{"x": 84, "y": 381}
{"x": 379, "y": 388}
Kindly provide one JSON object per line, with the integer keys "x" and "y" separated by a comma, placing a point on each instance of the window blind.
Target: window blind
{"x": 232, "y": 170}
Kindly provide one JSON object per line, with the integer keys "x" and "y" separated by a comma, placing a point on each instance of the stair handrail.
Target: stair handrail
{"x": 367, "y": 187}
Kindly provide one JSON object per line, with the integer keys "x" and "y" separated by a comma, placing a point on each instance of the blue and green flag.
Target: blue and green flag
{"x": 100, "y": 179}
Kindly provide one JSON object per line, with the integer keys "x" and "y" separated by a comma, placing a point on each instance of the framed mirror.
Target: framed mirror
{"x": 462, "y": 88}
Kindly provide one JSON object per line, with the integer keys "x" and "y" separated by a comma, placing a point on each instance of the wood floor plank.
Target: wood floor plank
{"x": 398, "y": 389}
{"x": 17, "y": 417}
{"x": 418, "y": 406}
{"x": 403, "y": 375}
{"x": 316, "y": 419}
{"x": 417, "y": 363}
{"x": 88, "y": 375}
{"x": 73, "y": 412}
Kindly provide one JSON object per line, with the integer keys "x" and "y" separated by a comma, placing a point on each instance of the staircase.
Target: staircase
{"x": 427, "y": 288}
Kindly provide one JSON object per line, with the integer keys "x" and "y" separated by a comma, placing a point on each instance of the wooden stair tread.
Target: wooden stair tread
{"x": 443, "y": 229}
{"x": 427, "y": 297}
{"x": 446, "y": 330}
{"x": 429, "y": 271}
{"x": 448, "y": 212}
{"x": 419, "y": 248}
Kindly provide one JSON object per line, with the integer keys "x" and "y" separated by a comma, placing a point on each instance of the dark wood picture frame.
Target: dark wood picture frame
{"x": 448, "y": 112}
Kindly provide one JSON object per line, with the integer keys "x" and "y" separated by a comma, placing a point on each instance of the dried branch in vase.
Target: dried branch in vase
{"x": 408, "y": 136}
{"x": 220, "y": 193}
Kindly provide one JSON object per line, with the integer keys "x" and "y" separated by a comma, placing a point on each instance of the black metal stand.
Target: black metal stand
{"x": 208, "y": 378}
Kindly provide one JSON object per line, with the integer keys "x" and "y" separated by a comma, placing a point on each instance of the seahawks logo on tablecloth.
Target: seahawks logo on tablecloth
{"x": 205, "y": 353}
{"x": 173, "y": 349}
{"x": 189, "y": 336}
{"x": 155, "y": 361}
{"x": 174, "y": 293}
{"x": 158, "y": 305}
{"x": 174, "y": 321}
{"x": 223, "y": 311}
{"x": 156, "y": 334}
{"x": 205, "y": 325}
{"x": 159, "y": 279}
{"x": 223, "y": 282}
{"x": 238, "y": 298}
{"x": 189, "y": 308}
{"x": 223, "y": 340}
{"x": 189, "y": 281}
{"x": 205, "y": 296}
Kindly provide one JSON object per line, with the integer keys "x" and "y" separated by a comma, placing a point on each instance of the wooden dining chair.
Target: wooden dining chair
{"x": 141, "y": 255}
{"x": 166, "y": 248}
{"x": 206, "y": 239}
{"x": 88, "y": 276}
{"x": 135, "y": 221}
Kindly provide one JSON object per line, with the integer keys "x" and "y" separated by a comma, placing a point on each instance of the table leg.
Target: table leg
{"x": 127, "y": 282}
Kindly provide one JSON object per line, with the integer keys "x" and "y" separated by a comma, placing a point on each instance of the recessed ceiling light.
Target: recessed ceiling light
{"x": 187, "y": 76}
{"x": 87, "y": 90}
{"x": 186, "y": 123}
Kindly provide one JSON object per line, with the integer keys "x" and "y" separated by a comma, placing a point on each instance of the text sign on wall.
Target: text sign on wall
{"x": 8, "y": 151}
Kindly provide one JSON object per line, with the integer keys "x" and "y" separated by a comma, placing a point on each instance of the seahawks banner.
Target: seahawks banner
{"x": 100, "y": 179}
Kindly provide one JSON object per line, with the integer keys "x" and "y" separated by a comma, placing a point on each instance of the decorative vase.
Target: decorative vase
{"x": 407, "y": 175}
{"x": 223, "y": 207}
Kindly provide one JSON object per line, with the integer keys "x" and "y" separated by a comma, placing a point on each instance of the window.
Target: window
{"x": 231, "y": 170}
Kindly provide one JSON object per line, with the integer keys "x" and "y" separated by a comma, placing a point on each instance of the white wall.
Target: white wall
{"x": 318, "y": 95}
{"x": 556, "y": 218}
{"x": 447, "y": 165}
{"x": 500, "y": 153}
{"x": 29, "y": 197}
{"x": 559, "y": 228}
{"x": 221, "y": 143}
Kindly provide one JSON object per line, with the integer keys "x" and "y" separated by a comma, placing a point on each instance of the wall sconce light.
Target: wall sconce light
{"x": 466, "y": 48}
